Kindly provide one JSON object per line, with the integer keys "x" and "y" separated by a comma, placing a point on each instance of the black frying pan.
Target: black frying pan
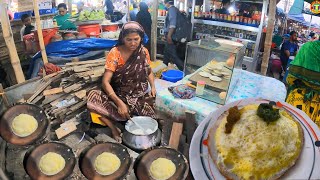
{"x": 144, "y": 160}
{"x": 31, "y": 109}
{"x": 32, "y": 158}
{"x": 88, "y": 156}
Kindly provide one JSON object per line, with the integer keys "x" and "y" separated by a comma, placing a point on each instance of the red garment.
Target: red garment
{"x": 49, "y": 69}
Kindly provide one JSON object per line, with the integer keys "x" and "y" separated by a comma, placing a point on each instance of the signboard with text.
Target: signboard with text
{"x": 27, "y": 5}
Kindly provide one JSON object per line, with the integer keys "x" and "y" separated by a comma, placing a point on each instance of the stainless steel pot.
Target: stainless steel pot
{"x": 137, "y": 140}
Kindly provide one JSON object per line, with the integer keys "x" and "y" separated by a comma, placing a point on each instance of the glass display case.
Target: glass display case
{"x": 217, "y": 62}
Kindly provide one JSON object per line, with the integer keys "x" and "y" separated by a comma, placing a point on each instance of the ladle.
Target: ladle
{"x": 139, "y": 126}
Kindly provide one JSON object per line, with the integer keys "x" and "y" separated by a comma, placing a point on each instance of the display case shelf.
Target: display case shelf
{"x": 230, "y": 37}
{"x": 226, "y": 24}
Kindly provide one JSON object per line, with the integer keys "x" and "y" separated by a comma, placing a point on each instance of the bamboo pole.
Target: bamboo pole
{"x": 70, "y": 7}
{"x": 39, "y": 30}
{"x": 7, "y": 34}
{"x": 128, "y": 9}
{"x": 154, "y": 30}
{"x": 268, "y": 40}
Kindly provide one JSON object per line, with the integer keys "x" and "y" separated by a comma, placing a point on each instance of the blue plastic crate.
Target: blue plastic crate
{"x": 45, "y": 11}
{"x": 17, "y": 15}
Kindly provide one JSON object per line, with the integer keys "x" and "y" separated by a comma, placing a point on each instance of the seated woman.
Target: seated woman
{"x": 304, "y": 81}
{"x": 125, "y": 81}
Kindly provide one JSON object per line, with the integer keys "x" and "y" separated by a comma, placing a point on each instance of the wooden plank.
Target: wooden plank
{"x": 4, "y": 96}
{"x": 86, "y": 62}
{"x": 185, "y": 151}
{"x": 77, "y": 106}
{"x": 175, "y": 135}
{"x": 50, "y": 98}
{"x": 37, "y": 99}
{"x": 190, "y": 125}
{"x": 72, "y": 88}
{"x": 81, "y": 94}
{"x": 182, "y": 141}
{"x": 42, "y": 88}
{"x": 64, "y": 131}
{"x": 53, "y": 91}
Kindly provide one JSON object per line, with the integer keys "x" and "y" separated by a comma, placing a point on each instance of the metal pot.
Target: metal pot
{"x": 137, "y": 141}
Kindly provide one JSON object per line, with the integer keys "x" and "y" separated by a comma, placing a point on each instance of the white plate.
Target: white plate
{"x": 307, "y": 167}
{"x": 215, "y": 78}
{"x": 205, "y": 74}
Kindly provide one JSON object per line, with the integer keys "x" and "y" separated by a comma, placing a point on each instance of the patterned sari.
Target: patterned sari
{"x": 304, "y": 81}
{"x": 130, "y": 83}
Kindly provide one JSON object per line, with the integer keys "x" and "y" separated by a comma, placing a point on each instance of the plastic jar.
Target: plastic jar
{"x": 200, "y": 87}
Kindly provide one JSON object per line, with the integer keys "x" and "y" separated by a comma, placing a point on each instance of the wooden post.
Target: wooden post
{"x": 154, "y": 30}
{"x": 70, "y": 7}
{"x": 7, "y": 35}
{"x": 268, "y": 40}
{"x": 128, "y": 8}
{"x": 39, "y": 30}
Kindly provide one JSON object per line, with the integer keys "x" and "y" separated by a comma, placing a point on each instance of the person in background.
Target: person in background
{"x": 134, "y": 12}
{"x": 125, "y": 82}
{"x": 27, "y": 26}
{"x": 124, "y": 8}
{"x": 289, "y": 48}
{"x": 304, "y": 81}
{"x": 109, "y": 5}
{"x": 315, "y": 37}
{"x": 80, "y": 6}
{"x": 63, "y": 18}
{"x": 225, "y": 7}
{"x": 170, "y": 52}
{"x": 144, "y": 19}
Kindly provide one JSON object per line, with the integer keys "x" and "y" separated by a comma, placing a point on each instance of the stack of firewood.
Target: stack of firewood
{"x": 63, "y": 95}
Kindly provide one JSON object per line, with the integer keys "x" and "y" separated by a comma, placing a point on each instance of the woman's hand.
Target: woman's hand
{"x": 153, "y": 92}
{"x": 123, "y": 110}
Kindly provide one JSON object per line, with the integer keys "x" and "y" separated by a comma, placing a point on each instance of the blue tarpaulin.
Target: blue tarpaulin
{"x": 75, "y": 48}
{"x": 62, "y": 52}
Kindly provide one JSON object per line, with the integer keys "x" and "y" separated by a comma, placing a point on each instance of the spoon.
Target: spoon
{"x": 138, "y": 125}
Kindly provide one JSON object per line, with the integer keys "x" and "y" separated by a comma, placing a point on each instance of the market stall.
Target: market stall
{"x": 244, "y": 24}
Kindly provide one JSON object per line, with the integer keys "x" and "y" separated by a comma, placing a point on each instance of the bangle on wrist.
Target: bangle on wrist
{"x": 111, "y": 94}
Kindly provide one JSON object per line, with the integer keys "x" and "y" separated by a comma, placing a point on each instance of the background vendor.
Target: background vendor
{"x": 27, "y": 26}
{"x": 63, "y": 18}
{"x": 289, "y": 48}
{"x": 225, "y": 7}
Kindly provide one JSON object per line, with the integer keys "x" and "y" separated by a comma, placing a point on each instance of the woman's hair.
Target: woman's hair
{"x": 143, "y": 6}
{"x": 134, "y": 28}
{"x": 62, "y": 5}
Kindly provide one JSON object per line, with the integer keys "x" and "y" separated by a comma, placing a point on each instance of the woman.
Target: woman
{"x": 304, "y": 81}
{"x": 144, "y": 18}
{"x": 125, "y": 81}
{"x": 63, "y": 18}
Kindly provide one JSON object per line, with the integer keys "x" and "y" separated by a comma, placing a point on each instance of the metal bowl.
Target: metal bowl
{"x": 140, "y": 142}
{"x": 144, "y": 160}
{"x": 89, "y": 155}
{"x": 32, "y": 158}
{"x": 30, "y": 109}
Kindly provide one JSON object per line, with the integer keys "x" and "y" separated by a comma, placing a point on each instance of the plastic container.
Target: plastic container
{"x": 90, "y": 30}
{"x": 110, "y": 28}
{"x": 172, "y": 75}
{"x": 47, "y": 34}
{"x": 17, "y": 15}
{"x": 200, "y": 87}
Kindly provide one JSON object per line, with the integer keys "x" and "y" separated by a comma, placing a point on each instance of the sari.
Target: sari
{"x": 130, "y": 83}
{"x": 304, "y": 81}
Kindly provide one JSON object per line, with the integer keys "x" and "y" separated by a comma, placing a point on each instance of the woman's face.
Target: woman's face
{"x": 132, "y": 41}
